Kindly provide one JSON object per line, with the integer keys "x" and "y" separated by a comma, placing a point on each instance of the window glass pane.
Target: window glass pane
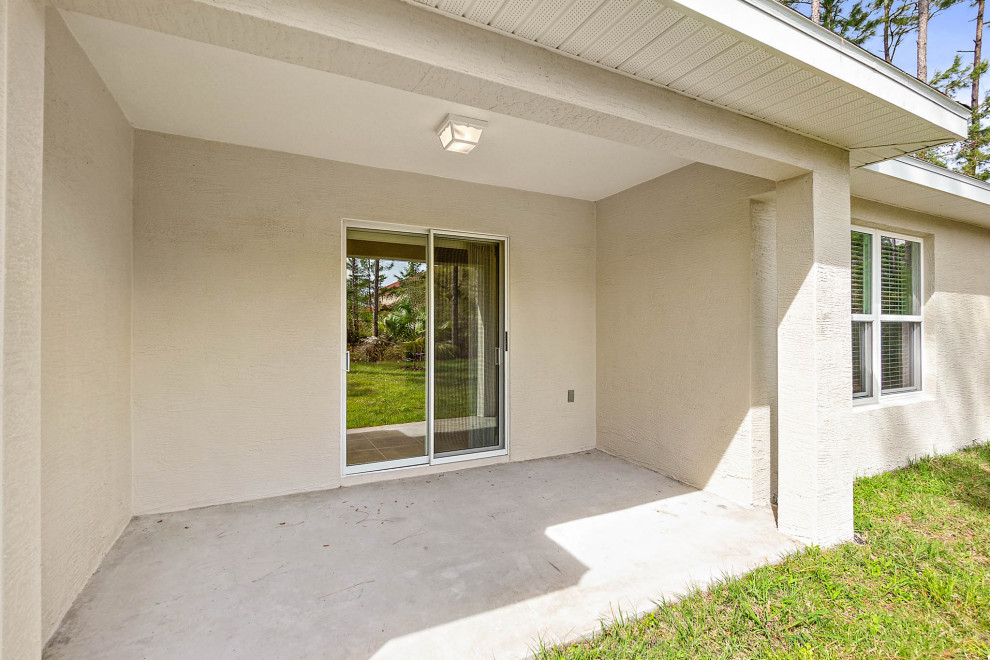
{"x": 862, "y": 336}
{"x": 899, "y": 344}
{"x": 900, "y": 276}
{"x": 385, "y": 316}
{"x": 861, "y": 271}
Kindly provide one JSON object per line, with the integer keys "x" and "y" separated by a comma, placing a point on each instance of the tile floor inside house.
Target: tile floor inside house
{"x": 397, "y": 441}
{"x": 473, "y": 563}
{"x": 382, "y": 443}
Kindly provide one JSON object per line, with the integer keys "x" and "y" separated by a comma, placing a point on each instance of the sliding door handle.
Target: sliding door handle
{"x": 347, "y": 361}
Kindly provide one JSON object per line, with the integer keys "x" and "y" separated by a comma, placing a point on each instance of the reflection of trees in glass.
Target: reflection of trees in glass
{"x": 378, "y": 276}
{"x": 404, "y": 322}
{"x": 411, "y": 287}
{"x": 358, "y": 280}
{"x": 386, "y": 322}
{"x": 365, "y": 278}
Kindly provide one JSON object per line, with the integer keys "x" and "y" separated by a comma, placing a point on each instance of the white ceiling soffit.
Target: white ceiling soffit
{"x": 752, "y": 56}
{"x": 919, "y": 186}
{"x": 173, "y": 85}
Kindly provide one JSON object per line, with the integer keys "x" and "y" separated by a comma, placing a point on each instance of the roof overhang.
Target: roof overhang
{"x": 754, "y": 57}
{"x": 915, "y": 185}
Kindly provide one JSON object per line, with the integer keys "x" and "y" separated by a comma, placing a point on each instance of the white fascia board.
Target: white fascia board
{"x": 937, "y": 178}
{"x": 797, "y": 38}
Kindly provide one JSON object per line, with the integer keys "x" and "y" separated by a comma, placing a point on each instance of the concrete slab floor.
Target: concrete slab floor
{"x": 473, "y": 563}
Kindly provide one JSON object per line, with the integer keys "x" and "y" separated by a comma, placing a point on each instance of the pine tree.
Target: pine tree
{"x": 377, "y": 287}
{"x": 927, "y": 10}
{"x": 974, "y": 157}
{"x": 893, "y": 21}
{"x": 357, "y": 298}
{"x": 378, "y": 274}
{"x": 854, "y": 22}
{"x": 898, "y": 18}
{"x": 977, "y": 54}
{"x": 949, "y": 82}
{"x": 924, "y": 14}
{"x": 412, "y": 286}
{"x": 857, "y": 25}
{"x": 411, "y": 268}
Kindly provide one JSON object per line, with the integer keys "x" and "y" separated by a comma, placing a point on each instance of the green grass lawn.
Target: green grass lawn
{"x": 917, "y": 587}
{"x": 383, "y": 393}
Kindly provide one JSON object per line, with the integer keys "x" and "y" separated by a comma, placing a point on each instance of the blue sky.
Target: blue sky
{"x": 949, "y": 32}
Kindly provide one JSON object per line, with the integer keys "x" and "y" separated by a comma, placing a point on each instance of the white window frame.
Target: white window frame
{"x": 876, "y": 318}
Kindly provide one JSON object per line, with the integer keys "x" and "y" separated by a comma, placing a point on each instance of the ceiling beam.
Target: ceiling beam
{"x": 391, "y": 43}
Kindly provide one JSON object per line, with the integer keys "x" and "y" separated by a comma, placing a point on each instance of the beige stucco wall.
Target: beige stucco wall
{"x": 954, "y": 409}
{"x": 237, "y": 310}
{"x": 674, "y": 327}
{"x": 86, "y": 323}
{"x": 22, "y": 74}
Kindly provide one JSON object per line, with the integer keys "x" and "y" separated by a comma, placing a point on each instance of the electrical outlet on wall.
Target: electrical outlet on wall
{"x": 570, "y": 396}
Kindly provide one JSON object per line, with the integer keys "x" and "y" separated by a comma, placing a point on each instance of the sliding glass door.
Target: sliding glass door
{"x": 385, "y": 363}
{"x": 468, "y": 336}
{"x": 425, "y": 358}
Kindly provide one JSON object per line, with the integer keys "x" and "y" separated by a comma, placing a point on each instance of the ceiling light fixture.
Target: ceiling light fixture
{"x": 460, "y": 134}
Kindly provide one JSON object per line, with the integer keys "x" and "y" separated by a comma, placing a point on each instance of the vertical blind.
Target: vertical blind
{"x": 467, "y": 325}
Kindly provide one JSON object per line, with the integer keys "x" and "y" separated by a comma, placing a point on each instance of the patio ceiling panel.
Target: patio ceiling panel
{"x": 685, "y": 46}
{"x": 171, "y": 85}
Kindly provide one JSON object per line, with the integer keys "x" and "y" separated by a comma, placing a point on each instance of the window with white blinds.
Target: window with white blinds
{"x": 886, "y": 272}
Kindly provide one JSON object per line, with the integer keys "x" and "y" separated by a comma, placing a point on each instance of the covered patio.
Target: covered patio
{"x": 476, "y": 563}
{"x": 670, "y": 258}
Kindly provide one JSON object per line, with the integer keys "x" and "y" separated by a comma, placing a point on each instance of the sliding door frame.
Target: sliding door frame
{"x": 417, "y": 461}
{"x": 430, "y": 458}
{"x": 503, "y": 414}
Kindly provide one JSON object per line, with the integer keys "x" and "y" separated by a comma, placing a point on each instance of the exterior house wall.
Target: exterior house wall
{"x": 22, "y": 101}
{"x": 954, "y": 409}
{"x": 674, "y": 328}
{"x": 86, "y": 323}
{"x": 237, "y": 353}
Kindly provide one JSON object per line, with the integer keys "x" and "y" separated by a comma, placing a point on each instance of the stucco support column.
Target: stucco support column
{"x": 813, "y": 356}
{"x": 763, "y": 348}
{"x": 22, "y": 74}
